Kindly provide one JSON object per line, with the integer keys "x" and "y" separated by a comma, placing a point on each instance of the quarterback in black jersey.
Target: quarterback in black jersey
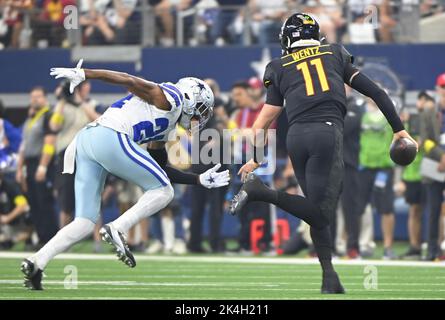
{"x": 308, "y": 79}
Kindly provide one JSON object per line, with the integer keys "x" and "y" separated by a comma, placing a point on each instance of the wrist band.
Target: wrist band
{"x": 429, "y": 145}
{"x": 57, "y": 118}
{"x": 20, "y": 200}
{"x": 49, "y": 149}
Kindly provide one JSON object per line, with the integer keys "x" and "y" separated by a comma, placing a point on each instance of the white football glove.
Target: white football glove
{"x": 74, "y": 75}
{"x": 213, "y": 179}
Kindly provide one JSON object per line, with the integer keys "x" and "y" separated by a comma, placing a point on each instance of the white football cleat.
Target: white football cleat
{"x": 116, "y": 238}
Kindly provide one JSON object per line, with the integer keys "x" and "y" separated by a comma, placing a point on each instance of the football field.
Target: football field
{"x": 219, "y": 277}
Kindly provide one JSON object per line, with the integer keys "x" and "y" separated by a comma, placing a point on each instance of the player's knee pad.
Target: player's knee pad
{"x": 79, "y": 228}
{"x": 157, "y": 198}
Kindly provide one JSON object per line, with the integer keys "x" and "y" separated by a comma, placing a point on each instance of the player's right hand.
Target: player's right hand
{"x": 74, "y": 75}
{"x": 405, "y": 134}
{"x": 249, "y": 167}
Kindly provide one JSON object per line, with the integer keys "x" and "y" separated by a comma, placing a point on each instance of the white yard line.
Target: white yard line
{"x": 233, "y": 298}
{"x": 134, "y": 284}
{"x": 247, "y": 260}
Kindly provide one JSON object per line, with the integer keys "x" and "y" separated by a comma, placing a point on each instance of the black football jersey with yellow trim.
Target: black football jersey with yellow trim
{"x": 311, "y": 81}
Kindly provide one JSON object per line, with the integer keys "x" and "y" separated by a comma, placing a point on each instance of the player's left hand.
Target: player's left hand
{"x": 74, "y": 75}
{"x": 213, "y": 179}
{"x": 249, "y": 167}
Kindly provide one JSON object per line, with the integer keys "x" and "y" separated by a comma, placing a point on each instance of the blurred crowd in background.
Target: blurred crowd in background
{"x": 36, "y": 199}
{"x": 56, "y": 23}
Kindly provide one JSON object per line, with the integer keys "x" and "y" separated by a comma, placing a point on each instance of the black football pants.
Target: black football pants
{"x": 316, "y": 153}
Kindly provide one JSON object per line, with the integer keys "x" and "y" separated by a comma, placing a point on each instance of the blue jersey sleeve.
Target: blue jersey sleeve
{"x": 172, "y": 93}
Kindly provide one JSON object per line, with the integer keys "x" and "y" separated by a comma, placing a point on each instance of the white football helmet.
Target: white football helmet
{"x": 198, "y": 103}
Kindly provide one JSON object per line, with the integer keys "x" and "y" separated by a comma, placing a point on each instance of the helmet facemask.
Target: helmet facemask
{"x": 198, "y": 104}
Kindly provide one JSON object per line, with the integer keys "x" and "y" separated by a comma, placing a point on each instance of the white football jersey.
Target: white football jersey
{"x": 143, "y": 122}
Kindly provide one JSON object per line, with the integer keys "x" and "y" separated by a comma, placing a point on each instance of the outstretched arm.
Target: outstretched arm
{"x": 267, "y": 115}
{"x": 209, "y": 179}
{"x": 146, "y": 90}
{"x": 366, "y": 86}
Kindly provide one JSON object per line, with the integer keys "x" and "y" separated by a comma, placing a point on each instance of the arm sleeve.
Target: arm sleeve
{"x": 175, "y": 175}
{"x": 366, "y": 86}
{"x": 271, "y": 83}
{"x": 349, "y": 69}
{"x": 181, "y": 177}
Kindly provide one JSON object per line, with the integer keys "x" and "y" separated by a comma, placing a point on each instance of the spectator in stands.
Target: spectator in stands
{"x": 349, "y": 200}
{"x": 363, "y": 24}
{"x": 87, "y": 17}
{"x": 432, "y": 127}
{"x": 49, "y": 25}
{"x": 11, "y": 21}
{"x": 267, "y": 19}
{"x": 71, "y": 114}
{"x": 163, "y": 10}
{"x": 229, "y": 10}
{"x": 114, "y": 21}
{"x": 399, "y": 21}
{"x": 387, "y": 22}
{"x": 415, "y": 190}
{"x": 213, "y": 198}
{"x": 330, "y": 17}
{"x": 244, "y": 117}
{"x": 431, "y": 7}
{"x": 377, "y": 173}
{"x": 256, "y": 89}
{"x": 35, "y": 169}
{"x": 220, "y": 115}
{"x": 15, "y": 224}
{"x": 10, "y": 139}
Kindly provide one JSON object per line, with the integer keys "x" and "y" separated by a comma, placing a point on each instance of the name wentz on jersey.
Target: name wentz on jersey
{"x": 311, "y": 81}
{"x": 141, "y": 121}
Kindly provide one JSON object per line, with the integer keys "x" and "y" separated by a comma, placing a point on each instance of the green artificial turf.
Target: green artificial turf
{"x": 185, "y": 278}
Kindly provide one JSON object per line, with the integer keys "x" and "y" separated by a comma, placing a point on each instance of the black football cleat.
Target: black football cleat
{"x": 331, "y": 284}
{"x": 33, "y": 275}
{"x": 116, "y": 238}
{"x": 252, "y": 182}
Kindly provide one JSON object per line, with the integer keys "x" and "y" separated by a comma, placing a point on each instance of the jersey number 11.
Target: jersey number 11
{"x": 304, "y": 68}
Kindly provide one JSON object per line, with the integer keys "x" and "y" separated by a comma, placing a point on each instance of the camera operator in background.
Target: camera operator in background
{"x": 15, "y": 222}
{"x": 71, "y": 113}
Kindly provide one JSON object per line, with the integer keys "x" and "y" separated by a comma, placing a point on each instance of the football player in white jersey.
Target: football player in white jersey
{"x": 111, "y": 145}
